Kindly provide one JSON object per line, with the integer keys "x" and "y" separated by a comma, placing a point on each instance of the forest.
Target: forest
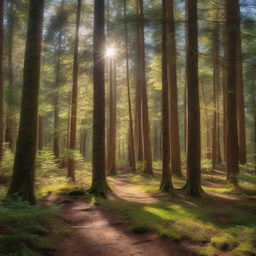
{"x": 127, "y": 127}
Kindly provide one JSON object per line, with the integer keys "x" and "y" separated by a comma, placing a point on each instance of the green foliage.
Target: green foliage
{"x": 45, "y": 161}
{"x": 72, "y": 154}
{"x": 23, "y": 228}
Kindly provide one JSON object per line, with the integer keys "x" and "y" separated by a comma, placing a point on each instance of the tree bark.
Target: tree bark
{"x": 132, "y": 161}
{"x": 10, "y": 120}
{"x": 111, "y": 147}
{"x": 166, "y": 184}
{"x": 240, "y": 96}
{"x": 56, "y": 128}
{"x": 193, "y": 185}
{"x": 138, "y": 107}
{"x": 147, "y": 154}
{"x": 216, "y": 152}
{"x": 172, "y": 80}
{"x": 231, "y": 44}
{"x": 72, "y": 140}
{"x": 99, "y": 183}
{"x": 22, "y": 183}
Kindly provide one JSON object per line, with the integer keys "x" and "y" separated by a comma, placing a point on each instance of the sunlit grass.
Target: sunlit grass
{"x": 199, "y": 225}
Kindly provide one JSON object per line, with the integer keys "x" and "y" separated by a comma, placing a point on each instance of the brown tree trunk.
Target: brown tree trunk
{"x": 138, "y": 107}
{"x": 22, "y": 183}
{"x": 193, "y": 185}
{"x": 216, "y": 153}
{"x": 231, "y": 44}
{"x": 72, "y": 140}
{"x": 56, "y": 128}
{"x": 99, "y": 183}
{"x": 156, "y": 144}
{"x": 185, "y": 118}
{"x": 132, "y": 161}
{"x": 166, "y": 183}
{"x": 172, "y": 80}
{"x": 10, "y": 120}
{"x": 111, "y": 147}
{"x": 1, "y": 80}
{"x": 240, "y": 96}
{"x": 147, "y": 168}
{"x": 224, "y": 111}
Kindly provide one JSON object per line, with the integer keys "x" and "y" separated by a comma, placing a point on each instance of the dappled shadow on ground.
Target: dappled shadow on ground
{"x": 102, "y": 231}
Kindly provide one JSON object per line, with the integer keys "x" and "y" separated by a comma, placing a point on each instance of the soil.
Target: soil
{"x": 99, "y": 232}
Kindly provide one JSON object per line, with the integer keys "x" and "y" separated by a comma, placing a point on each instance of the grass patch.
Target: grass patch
{"x": 199, "y": 225}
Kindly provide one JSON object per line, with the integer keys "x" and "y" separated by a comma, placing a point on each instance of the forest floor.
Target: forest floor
{"x": 137, "y": 220}
{"x": 98, "y": 231}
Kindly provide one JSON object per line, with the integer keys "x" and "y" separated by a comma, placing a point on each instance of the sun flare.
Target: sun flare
{"x": 110, "y": 52}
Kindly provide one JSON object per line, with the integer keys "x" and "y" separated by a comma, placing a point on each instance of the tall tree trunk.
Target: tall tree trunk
{"x": 132, "y": 161}
{"x": 111, "y": 147}
{"x": 23, "y": 176}
{"x": 56, "y": 128}
{"x": 138, "y": 107}
{"x": 224, "y": 111}
{"x": 10, "y": 120}
{"x": 172, "y": 79}
{"x": 1, "y": 79}
{"x": 99, "y": 183}
{"x": 185, "y": 117}
{"x": 166, "y": 184}
{"x": 240, "y": 95}
{"x": 156, "y": 143}
{"x": 72, "y": 140}
{"x": 193, "y": 185}
{"x": 147, "y": 168}
{"x": 216, "y": 153}
{"x": 231, "y": 44}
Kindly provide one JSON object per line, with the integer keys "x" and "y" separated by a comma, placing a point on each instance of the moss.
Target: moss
{"x": 224, "y": 242}
{"x": 245, "y": 247}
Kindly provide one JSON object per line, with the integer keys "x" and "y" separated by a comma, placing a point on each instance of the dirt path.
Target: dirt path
{"x": 101, "y": 233}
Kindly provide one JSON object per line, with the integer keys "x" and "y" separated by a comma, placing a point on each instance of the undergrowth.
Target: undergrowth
{"x": 28, "y": 230}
